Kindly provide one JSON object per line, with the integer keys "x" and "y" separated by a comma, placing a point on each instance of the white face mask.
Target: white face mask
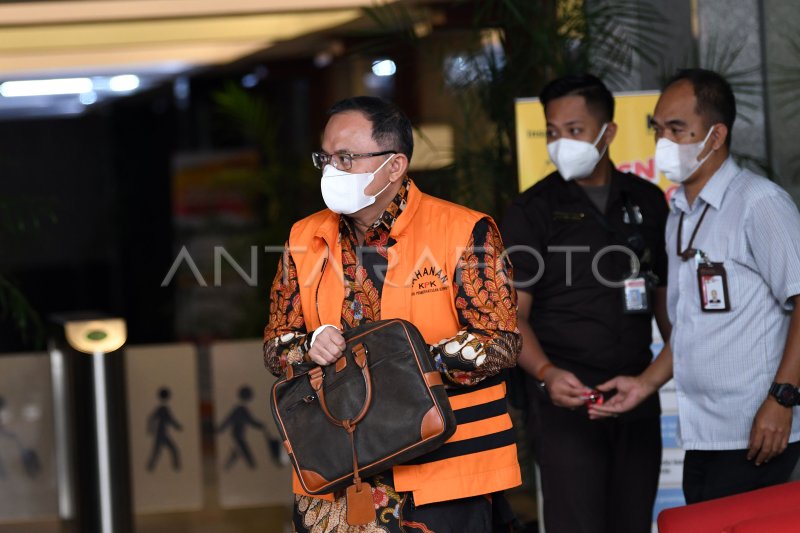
{"x": 679, "y": 161}
{"x": 576, "y": 159}
{"x": 343, "y": 192}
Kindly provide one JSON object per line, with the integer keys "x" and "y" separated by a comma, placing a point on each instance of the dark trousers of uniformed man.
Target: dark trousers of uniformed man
{"x": 595, "y": 472}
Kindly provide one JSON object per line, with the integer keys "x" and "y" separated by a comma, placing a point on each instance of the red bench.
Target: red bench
{"x": 773, "y": 509}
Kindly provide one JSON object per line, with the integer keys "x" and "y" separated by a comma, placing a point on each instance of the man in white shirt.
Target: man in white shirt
{"x": 735, "y": 352}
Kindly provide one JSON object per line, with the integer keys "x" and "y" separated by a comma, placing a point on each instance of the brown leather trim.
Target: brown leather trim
{"x": 360, "y": 355}
{"x": 360, "y": 505}
{"x": 282, "y": 428}
{"x": 315, "y": 377}
{"x": 341, "y": 364}
{"x": 312, "y": 481}
{"x": 324, "y": 489}
{"x": 432, "y": 423}
{"x": 389, "y": 323}
{"x": 324, "y": 406}
{"x": 416, "y": 360}
{"x": 367, "y": 400}
{"x": 433, "y": 378}
{"x": 289, "y": 372}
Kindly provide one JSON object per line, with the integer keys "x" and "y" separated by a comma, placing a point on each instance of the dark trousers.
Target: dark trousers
{"x": 715, "y": 474}
{"x": 597, "y": 476}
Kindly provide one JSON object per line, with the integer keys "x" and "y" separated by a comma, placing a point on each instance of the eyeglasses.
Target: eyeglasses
{"x": 342, "y": 161}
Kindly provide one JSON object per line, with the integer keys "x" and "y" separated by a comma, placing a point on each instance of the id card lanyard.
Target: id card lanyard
{"x": 712, "y": 280}
{"x": 635, "y": 291}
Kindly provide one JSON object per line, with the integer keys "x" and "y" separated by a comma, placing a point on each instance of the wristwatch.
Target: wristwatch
{"x": 785, "y": 394}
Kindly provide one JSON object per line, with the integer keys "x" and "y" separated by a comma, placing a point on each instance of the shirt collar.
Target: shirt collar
{"x": 714, "y": 191}
{"x": 390, "y": 214}
{"x": 573, "y": 191}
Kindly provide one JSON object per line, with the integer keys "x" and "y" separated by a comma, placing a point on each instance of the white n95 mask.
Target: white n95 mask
{"x": 576, "y": 159}
{"x": 343, "y": 191}
{"x": 679, "y": 161}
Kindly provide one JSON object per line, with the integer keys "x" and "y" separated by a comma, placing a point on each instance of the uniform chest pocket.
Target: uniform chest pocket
{"x": 562, "y": 217}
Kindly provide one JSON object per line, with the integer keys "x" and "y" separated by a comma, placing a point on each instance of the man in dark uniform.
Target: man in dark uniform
{"x": 587, "y": 245}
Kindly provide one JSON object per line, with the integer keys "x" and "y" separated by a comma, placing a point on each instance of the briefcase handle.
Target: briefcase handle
{"x": 316, "y": 377}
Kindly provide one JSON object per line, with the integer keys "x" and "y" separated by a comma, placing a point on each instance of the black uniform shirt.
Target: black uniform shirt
{"x": 581, "y": 326}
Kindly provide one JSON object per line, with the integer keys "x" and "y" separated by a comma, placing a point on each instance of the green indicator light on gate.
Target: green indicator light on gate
{"x": 96, "y": 335}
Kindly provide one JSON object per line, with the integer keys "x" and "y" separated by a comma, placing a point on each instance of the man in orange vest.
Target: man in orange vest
{"x": 383, "y": 249}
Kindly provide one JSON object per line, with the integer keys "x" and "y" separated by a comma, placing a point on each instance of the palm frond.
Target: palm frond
{"x": 15, "y": 307}
{"x": 723, "y": 54}
{"x": 785, "y": 78}
{"x": 619, "y": 34}
{"x": 250, "y": 116}
{"x": 21, "y": 214}
{"x": 757, "y": 164}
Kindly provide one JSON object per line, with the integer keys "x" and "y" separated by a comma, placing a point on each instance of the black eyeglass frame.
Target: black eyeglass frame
{"x": 320, "y": 159}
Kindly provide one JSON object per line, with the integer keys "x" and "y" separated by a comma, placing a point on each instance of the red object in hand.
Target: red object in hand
{"x": 593, "y": 397}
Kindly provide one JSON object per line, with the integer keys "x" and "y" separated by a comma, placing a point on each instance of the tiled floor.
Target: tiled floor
{"x": 266, "y": 520}
{"x": 215, "y": 520}
{"x": 270, "y": 520}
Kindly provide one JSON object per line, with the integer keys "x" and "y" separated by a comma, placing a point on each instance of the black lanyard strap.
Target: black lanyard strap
{"x": 689, "y": 252}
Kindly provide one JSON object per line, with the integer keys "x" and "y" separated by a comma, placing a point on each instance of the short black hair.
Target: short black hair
{"x": 598, "y": 98}
{"x": 391, "y": 128}
{"x": 715, "y": 100}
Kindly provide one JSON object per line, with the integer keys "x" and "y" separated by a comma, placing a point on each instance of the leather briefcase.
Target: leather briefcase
{"x": 381, "y": 404}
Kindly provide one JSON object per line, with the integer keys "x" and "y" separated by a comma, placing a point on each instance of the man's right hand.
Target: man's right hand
{"x": 631, "y": 391}
{"x": 564, "y": 388}
{"x": 328, "y": 346}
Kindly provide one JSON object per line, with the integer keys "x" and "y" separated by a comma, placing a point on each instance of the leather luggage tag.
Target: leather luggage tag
{"x": 360, "y": 505}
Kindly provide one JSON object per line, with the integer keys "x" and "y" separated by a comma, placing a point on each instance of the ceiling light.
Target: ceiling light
{"x": 249, "y": 80}
{"x": 11, "y": 89}
{"x": 323, "y": 59}
{"x": 384, "y": 67}
{"x": 124, "y": 83}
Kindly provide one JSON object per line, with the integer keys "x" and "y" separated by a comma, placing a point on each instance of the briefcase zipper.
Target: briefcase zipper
{"x": 305, "y": 399}
{"x": 310, "y": 398}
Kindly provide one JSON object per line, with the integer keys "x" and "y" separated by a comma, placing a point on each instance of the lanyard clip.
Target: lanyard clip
{"x": 700, "y": 258}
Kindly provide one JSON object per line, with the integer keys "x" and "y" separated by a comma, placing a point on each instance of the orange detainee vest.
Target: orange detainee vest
{"x": 430, "y": 236}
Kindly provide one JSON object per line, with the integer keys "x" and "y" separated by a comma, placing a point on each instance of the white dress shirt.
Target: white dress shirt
{"x": 725, "y": 362}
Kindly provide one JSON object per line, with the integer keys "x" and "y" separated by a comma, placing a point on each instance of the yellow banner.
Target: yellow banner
{"x": 633, "y": 148}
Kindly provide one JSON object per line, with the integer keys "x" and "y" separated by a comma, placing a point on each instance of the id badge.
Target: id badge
{"x": 635, "y": 296}
{"x": 713, "y": 283}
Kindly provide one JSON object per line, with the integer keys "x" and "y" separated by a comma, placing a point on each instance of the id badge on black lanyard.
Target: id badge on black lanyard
{"x": 712, "y": 281}
{"x": 636, "y": 292}
{"x": 636, "y": 296}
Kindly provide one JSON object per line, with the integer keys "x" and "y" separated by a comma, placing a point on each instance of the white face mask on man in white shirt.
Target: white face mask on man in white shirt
{"x": 576, "y": 159}
{"x": 679, "y": 162}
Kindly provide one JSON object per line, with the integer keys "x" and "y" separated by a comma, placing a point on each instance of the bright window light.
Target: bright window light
{"x": 12, "y": 89}
{"x": 384, "y": 67}
{"x": 124, "y": 83}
